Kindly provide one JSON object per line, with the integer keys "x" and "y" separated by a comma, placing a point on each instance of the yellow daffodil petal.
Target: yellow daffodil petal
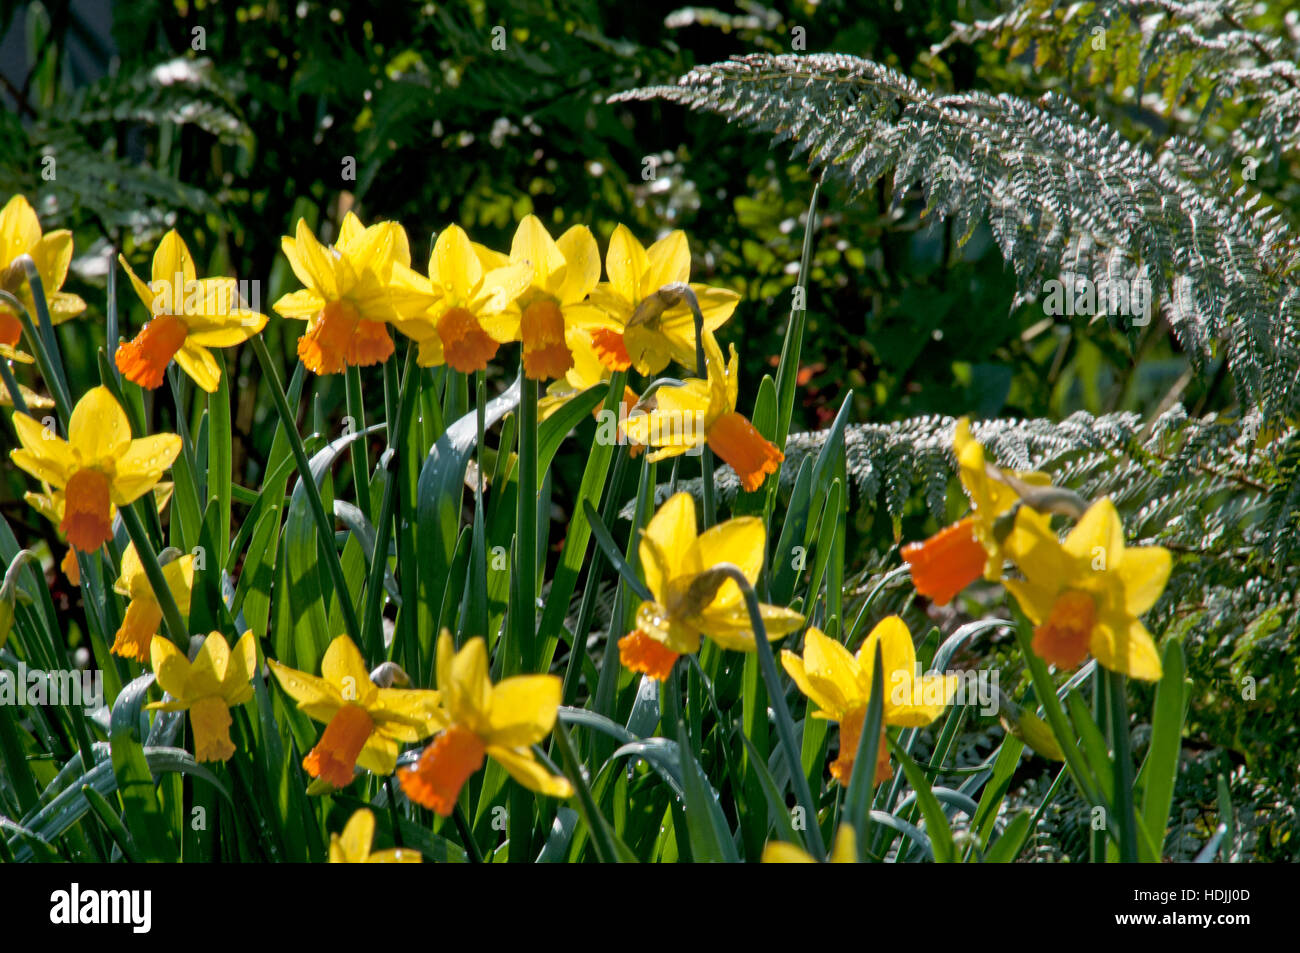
{"x": 359, "y": 833}
{"x": 1036, "y": 550}
{"x": 379, "y": 754}
{"x": 668, "y": 261}
{"x": 581, "y": 264}
{"x": 198, "y": 362}
{"x": 915, "y": 703}
{"x": 302, "y": 304}
{"x": 673, "y": 530}
{"x": 454, "y": 265}
{"x": 845, "y": 850}
{"x": 209, "y": 667}
{"x": 171, "y": 668}
{"x": 1098, "y": 537}
{"x": 832, "y": 670}
{"x": 625, "y": 264}
{"x": 1124, "y": 645}
{"x": 467, "y": 695}
{"x": 1144, "y": 570}
{"x": 44, "y": 455}
{"x": 99, "y": 428}
{"x": 173, "y": 264}
{"x": 418, "y": 710}
{"x": 524, "y": 768}
{"x": 533, "y": 243}
{"x": 141, "y": 465}
{"x": 345, "y": 669}
{"x": 741, "y": 541}
{"x": 897, "y": 653}
{"x": 317, "y": 698}
{"x": 780, "y": 852}
{"x": 523, "y": 710}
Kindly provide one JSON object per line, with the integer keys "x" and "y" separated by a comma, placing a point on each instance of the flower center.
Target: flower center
{"x": 339, "y": 337}
{"x": 144, "y": 359}
{"x": 1063, "y": 640}
{"x": 640, "y": 653}
{"x": 466, "y": 346}
{"x": 611, "y": 349}
{"x": 335, "y": 756}
{"x": 545, "y": 354}
{"x": 443, "y": 769}
{"x": 139, "y": 626}
{"x": 11, "y": 329}
{"x": 850, "y": 736}
{"x": 947, "y": 562}
{"x": 210, "y": 719}
{"x": 87, "y": 510}
{"x": 733, "y": 438}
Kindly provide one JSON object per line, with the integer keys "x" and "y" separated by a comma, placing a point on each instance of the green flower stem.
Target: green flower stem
{"x": 701, "y": 369}
{"x": 776, "y": 698}
{"x": 1046, "y": 693}
{"x": 371, "y": 638}
{"x": 53, "y": 379}
{"x": 1123, "y": 767}
{"x": 360, "y": 465}
{"x": 177, "y": 630}
{"x": 44, "y": 320}
{"x": 324, "y": 525}
{"x": 525, "y": 614}
{"x": 11, "y": 385}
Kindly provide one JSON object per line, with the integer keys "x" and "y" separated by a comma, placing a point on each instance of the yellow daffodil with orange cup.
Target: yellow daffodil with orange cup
{"x": 1084, "y": 595}
{"x": 97, "y": 469}
{"x": 691, "y": 599}
{"x": 354, "y": 290}
{"x": 957, "y": 555}
{"x": 51, "y": 252}
{"x": 187, "y": 317}
{"x": 143, "y": 615}
{"x": 704, "y": 412}
{"x": 629, "y": 327}
{"x": 469, "y": 295}
{"x": 365, "y": 724}
{"x": 500, "y": 721}
{"x": 216, "y": 681}
{"x": 839, "y": 684}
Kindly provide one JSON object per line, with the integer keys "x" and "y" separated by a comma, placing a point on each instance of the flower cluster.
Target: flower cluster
{"x": 1083, "y": 594}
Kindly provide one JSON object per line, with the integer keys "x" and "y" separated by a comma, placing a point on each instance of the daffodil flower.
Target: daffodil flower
{"x": 143, "y": 614}
{"x": 96, "y": 470}
{"x": 632, "y": 329}
{"x": 587, "y": 372}
{"x": 187, "y": 316}
{"x": 500, "y": 721}
{"x": 474, "y": 288}
{"x": 845, "y": 850}
{"x": 364, "y": 724}
{"x": 704, "y": 412}
{"x": 691, "y": 599}
{"x": 564, "y": 272}
{"x": 839, "y": 684}
{"x": 1085, "y": 595}
{"x": 957, "y": 555}
{"x": 20, "y": 234}
{"x": 354, "y": 288}
{"x": 353, "y": 845}
{"x": 216, "y": 681}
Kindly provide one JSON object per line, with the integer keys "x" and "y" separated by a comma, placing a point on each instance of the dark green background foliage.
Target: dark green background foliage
{"x": 233, "y": 142}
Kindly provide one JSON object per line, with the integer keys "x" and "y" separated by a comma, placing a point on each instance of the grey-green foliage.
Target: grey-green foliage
{"x": 56, "y": 151}
{"x": 1196, "y": 55}
{"x": 1065, "y": 195}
